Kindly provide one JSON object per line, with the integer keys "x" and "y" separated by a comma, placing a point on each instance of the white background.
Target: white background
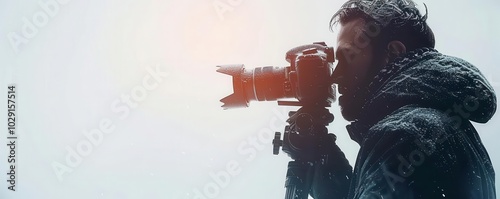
{"x": 86, "y": 54}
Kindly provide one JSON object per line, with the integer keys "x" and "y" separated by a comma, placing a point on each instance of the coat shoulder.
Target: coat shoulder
{"x": 416, "y": 122}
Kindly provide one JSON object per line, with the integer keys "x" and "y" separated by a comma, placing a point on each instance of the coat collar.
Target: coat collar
{"x": 371, "y": 113}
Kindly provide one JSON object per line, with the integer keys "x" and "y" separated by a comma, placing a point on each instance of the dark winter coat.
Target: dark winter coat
{"x": 415, "y": 132}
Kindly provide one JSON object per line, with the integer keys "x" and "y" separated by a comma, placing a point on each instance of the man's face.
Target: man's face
{"x": 355, "y": 58}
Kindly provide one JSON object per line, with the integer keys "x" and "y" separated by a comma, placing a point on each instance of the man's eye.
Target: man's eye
{"x": 350, "y": 57}
{"x": 349, "y": 53}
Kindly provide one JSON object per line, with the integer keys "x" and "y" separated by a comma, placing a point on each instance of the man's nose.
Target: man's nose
{"x": 338, "y": 74}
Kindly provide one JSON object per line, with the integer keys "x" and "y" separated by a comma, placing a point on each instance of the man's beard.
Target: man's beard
{"x": 351, "y": 103}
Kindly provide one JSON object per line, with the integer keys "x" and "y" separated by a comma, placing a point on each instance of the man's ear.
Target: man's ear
{"x": 396, "y": 48}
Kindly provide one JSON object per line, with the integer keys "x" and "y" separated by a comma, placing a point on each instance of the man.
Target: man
{"x": 410, "y": 108}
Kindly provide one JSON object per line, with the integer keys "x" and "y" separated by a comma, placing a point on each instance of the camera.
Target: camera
{"x": 307, "y": 79}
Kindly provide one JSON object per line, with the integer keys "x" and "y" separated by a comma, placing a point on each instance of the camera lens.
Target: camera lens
{"x": 269, "y": 83}
{"x": 261, "y": 84}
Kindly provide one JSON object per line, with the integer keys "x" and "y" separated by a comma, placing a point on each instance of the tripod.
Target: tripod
{"x": 305, "y": 140}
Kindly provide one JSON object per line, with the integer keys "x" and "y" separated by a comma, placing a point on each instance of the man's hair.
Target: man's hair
{"x": 396, "y": 19}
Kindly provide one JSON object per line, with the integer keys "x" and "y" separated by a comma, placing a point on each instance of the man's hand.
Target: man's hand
{"x": 332, "y": 177}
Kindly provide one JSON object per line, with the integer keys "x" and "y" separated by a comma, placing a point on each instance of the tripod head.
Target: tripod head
{"x": 306, "y": 137}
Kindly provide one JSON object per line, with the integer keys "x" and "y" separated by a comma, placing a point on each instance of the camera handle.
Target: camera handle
{"x": 305, "y": 140}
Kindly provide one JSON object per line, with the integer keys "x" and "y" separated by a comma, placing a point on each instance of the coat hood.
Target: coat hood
{"x": 427, "y": 78}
